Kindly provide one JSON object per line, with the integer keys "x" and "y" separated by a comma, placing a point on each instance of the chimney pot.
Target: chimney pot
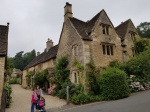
{"x": 68, "y": 10}
{"x": 49, "y": 44}
{"x": 38, "y": 53}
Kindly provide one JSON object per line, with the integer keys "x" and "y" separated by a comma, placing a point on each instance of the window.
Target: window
{"x": 75, "y": 50}
{"x": 133, "y": 51}
{"x": 107, "y": 49}
{"x": 104, "y": 51}
{"x": 105, "y": 29}
{"x": 76, "y": 77}
{"x": 132, "y": 34}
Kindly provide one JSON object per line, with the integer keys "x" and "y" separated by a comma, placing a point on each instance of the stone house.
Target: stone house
{"x": 96, "y": 40}
{"x": 42, "y": 61}
{"x": 3, "y": 54}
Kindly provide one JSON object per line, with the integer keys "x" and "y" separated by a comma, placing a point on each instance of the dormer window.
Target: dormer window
{"x": 75, "y": 50}
{"x": 105, "y": 29}
{"x": 132, "y": 34}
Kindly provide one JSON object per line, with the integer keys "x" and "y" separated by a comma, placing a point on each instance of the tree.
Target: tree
{"x": 141, "y": 45}
{"x": 10, "y": 64}
{"x": 18, "y": 60}
{"x": 21, "y": 60}
{"x": 144, "y": 29}
{"x": 28, "y": 57}
{"x": 139, "y": 65}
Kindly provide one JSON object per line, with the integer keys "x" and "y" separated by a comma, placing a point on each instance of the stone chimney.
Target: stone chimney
{"x": 49, "y": 44}
{"x": 38, "y": 53}
{"x": 68, "y": 10}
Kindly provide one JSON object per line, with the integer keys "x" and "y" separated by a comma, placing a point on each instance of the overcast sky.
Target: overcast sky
{"x": 32, "y": 22}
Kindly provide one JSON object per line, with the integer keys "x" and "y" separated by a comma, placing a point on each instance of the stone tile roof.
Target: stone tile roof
{"x": 3, "y": 40}
{"x": 43, "y": 57}
{"x": 84, "y": 28}
{"x": 122, "y": 29}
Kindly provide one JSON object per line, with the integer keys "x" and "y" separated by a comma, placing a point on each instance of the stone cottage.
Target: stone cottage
{"x": 3, "y": 54}
{"x": 42, "y": 61}
{"x": 96, "y": 40}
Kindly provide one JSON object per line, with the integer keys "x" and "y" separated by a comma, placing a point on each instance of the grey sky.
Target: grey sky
{"x": 32, "y": 22}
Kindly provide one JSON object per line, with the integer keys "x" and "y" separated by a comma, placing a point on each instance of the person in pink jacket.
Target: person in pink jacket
{"x": 33, "y": 100}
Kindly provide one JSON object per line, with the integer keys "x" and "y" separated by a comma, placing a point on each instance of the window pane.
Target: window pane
{"x": 108, "y": 50}
{"x": 75, "y": 51}
{"x": 103, "y": 28}
{"x": 104, "y": 51}
{"x": 75, "y": 77}
{"x": 111, "y": 48}
{"x": 107, "y": 30}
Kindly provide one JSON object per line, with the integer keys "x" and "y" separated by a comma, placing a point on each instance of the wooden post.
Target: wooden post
{"x": 67, "y": 90}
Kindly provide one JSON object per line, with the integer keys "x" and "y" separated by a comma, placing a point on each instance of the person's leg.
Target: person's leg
{"x": 32, "y": 107}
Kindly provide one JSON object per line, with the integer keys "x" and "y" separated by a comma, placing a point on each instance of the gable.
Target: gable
{"x": 131, "y": 27}
{"x": 103, "y": 18}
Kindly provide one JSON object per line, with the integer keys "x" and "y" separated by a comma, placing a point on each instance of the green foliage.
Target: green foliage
{"x": 40, "y": 78}
{"x": 144, "y": 29}
{"x": 28, "y": 77}
{"x": 8, "y": 89}
{"x": 139, "y": 65}
{"x": 141, "y": 45}
{"x": 80, "y": 98}
{"x": 113, "y": 84}
{"x": 61, "y": 77}
{"x": 78, "y": 65}
{"x": 10, "y": 65}
{"x": 20, "y": 61}
{"x": 83, "y": 98}
{"x": 14, "y": 81}
{"x": 61, "y": 71}
{"x": 92, "y": 75}
{"x": 115, "y": 64}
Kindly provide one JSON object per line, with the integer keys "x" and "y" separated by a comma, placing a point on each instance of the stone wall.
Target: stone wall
{"x": 70, "y": 38}
{"x": 2, "y": 65}
{"x": 129, "y": 42}
{"x": 100, "y": 39}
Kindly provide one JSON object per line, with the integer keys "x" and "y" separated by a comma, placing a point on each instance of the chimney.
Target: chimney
{"x": 49, "y": 44}
{"x": 68, "y": 10}
{"x": 38, "y": 53}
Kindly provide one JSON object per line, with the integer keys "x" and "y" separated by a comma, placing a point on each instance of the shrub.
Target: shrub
{"x": 14, "y": 81}
{"x": 113, "y": 84}
{"x": 40, "y": 78}
{"x": 115, "y": 64}
{"x": 83, "y": 98}
{"x": 8, "y": 89}
{"x": 139, "y": 66}
{"x": 61, "y": 77}
{"x": 92, "y": 74}
{"x": 80, "y": 98}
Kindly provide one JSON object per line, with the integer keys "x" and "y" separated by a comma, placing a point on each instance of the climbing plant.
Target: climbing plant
{"x": 28, "y": 78}
{"x": 41, "y": 77}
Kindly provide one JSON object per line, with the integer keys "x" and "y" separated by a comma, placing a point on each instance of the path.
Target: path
{"x": 22, "y": 100}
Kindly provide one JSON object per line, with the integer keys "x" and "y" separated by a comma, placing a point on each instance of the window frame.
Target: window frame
{"x": 105, "y": 29}
{"x": 75, "y": 50}
{"x": 132, "y": 35}
{"x": 76, "y": 75}
{"x": 108, "y": 49}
